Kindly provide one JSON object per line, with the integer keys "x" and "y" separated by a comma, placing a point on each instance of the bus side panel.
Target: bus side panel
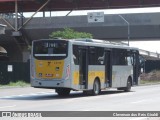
{"x": 67, "y": 72}
{"x": 75, "y": 77}
{"x": 120, "y": 75}
{"x": 96, "y": 71}
{"x": 32, "y": 71}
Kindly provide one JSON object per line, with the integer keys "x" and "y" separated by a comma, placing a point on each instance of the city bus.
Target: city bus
{"x": 86, "y": 65}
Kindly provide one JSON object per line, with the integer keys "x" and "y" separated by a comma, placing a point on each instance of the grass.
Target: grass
{"x": 16, "y": 84}
{"x": 149, "y": 81}
{"x": 21, "y": 83}
{"x": 152, "y": 77}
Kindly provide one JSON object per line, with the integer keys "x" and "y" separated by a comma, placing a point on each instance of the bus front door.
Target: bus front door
{"x": 83, "y": 68}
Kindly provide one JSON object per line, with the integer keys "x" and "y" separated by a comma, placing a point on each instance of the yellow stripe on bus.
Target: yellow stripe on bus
{"x": 91, "y": 77}
{"x": 76, "y": 78}
{"x": 93, "y": 74}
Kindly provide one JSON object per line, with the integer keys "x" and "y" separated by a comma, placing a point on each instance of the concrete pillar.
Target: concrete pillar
{"x": 2, "y": 29}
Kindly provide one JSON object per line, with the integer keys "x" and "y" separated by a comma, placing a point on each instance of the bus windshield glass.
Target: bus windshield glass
{"x": 50, "y": 49}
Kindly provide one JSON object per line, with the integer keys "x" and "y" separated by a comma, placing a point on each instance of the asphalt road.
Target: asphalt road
{"x": 141, "y": 98}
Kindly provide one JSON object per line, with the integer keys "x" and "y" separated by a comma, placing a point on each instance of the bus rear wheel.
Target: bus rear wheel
{"x": 63, "y": 91}
{"x": 96, "y": 87}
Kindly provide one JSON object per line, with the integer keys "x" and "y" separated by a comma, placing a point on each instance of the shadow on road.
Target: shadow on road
{"x": 54, "y": 96}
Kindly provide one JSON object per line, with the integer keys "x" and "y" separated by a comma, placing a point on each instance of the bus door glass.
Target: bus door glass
{"x": 135, "y": 67}
{"x": 108, "y": 68}
{"x": 83, "y": 66}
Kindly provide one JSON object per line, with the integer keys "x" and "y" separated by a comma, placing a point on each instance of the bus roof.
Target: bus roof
{"x": 103, "y": 43}
{"x": 95, "y": 42}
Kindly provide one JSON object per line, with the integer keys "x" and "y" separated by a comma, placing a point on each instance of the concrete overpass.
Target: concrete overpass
{"x": 144, "y": 26}
{"x": 9, "y": 6}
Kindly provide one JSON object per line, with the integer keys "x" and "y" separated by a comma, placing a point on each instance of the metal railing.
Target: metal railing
{"x": 148, "y": 53}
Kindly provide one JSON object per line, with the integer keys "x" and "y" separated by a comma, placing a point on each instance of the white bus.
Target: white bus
{"x": 86, "y": 65}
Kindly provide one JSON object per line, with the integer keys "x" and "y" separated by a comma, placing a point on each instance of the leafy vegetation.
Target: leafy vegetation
{"x": 149, "y": 82}
{"x": 16, "y": 84}
{"x": 69, "y": 33}
{"x": 151, "y": 77}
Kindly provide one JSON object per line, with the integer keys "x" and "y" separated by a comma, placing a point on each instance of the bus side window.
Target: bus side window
{"x": 92, "y": 53}
{"x": 101, "y": 60}
{"x": 96, "y": 55}
{"x": 75, "y": 54}
{"x": 100, "y": 57}
{"x": 129, "y": 60}
{"x": 120, "y": 57}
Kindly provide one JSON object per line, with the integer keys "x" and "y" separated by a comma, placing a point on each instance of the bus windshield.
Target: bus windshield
{"x": 50, "y": 49}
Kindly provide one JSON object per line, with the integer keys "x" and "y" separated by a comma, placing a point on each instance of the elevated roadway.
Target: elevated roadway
{"x": 144, "y": 26}
{"x": 21, "y": 31}
{"x": 8, "y": 6}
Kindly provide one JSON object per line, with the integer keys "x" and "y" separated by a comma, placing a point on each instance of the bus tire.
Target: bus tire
{"x": 96, "y": 87}
{"x": 129, "y": 84}
{"x": 63, "y": 91}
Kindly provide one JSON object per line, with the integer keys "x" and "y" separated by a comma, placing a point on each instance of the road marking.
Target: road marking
{"x": 86, "y": 110}
{"x": 7, "y": 106}
{"x": 89, "y": 109}
{"x": 27, "y": 95}
{"x": 142, "y": 118}
{"x": 119, "y": 94}
{"x": 70, "y": 100}
{"x": 140, "y": 101}
{"x": 30, "y": 94}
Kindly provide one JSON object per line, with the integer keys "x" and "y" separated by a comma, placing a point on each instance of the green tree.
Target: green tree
{"x": 69, "y": 33}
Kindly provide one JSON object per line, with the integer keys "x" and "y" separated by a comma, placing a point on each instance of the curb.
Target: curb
{"x": 9, "y": 87}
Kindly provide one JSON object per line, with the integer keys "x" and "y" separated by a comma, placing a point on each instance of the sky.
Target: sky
{"x": 153, "y": 46}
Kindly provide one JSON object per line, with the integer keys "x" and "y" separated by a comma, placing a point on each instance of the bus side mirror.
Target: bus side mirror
{"x": 101, "y": 60}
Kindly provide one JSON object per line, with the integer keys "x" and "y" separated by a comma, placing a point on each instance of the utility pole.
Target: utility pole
{"x": 128, "y": 26}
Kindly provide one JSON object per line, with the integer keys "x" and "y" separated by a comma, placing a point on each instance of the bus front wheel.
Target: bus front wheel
{"x": 63, "y": 91}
